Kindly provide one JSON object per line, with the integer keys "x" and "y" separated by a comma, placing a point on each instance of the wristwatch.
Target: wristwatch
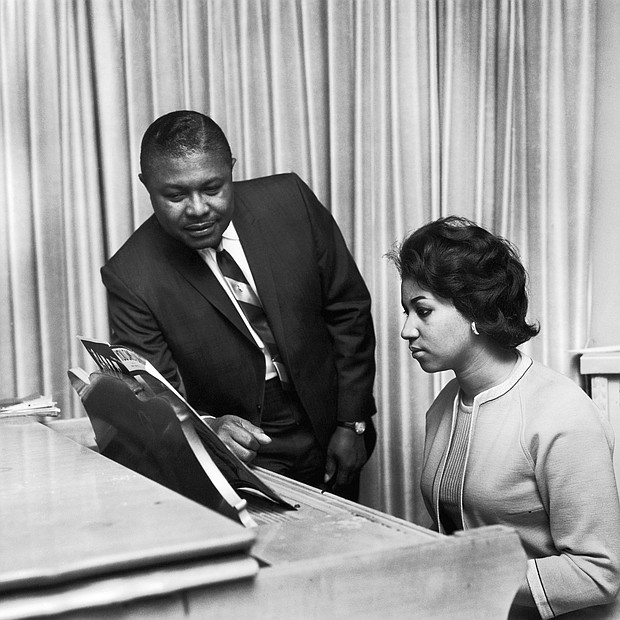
{"x": 357, "y": 427}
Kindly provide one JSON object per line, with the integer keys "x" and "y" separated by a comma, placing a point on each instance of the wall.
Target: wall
{"x": 605, "y": 323}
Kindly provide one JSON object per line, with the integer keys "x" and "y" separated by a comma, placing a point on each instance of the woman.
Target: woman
{"x": 508, "y": 441}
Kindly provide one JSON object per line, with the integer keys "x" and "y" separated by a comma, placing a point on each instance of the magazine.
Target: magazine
{"x": 226, "y": 472}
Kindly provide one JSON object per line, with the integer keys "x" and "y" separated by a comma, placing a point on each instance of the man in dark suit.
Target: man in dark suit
{"x": 246, "y": 298}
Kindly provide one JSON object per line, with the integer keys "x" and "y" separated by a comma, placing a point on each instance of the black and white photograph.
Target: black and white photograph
{"x": 309, "y": 309}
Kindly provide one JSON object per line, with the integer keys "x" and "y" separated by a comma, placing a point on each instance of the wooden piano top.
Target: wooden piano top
{"x": 79, "y": 532}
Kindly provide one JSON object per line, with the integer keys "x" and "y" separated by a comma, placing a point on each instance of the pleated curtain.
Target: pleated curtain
{"x": 394, "y": 112}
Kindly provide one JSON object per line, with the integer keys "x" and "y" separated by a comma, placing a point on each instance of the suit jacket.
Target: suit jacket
{"x": 165, "y": 303}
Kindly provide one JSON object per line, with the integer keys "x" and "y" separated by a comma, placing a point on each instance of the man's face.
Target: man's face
{"x": 192, "y": 197}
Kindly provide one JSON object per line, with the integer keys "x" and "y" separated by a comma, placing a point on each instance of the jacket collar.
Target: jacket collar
{"x": 191, "y": 266}
{"x": 521, "y": 367}
{"x": 523, "y": 364}
{"x": 258, "y": 238}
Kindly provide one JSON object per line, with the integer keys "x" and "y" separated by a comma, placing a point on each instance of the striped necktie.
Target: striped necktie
{"x": 252, "y": 307}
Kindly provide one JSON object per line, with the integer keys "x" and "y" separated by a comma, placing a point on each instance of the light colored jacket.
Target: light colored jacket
{"x": 539, "y": 460}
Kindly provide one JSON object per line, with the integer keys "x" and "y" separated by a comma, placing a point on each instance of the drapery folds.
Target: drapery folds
{"x": 394, "y": 112}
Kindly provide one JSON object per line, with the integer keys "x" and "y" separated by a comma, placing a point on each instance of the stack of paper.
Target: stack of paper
{"x": 33, "y": 404}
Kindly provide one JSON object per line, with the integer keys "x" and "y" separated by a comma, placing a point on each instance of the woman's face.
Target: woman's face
{"x": 439, "y": 336}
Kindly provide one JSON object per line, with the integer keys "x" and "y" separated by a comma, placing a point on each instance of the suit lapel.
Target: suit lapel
{"x": 256, "y": 239}
{"x": 198, "y": 274}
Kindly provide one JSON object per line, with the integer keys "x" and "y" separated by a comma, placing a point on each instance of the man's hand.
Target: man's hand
{"x": 346, "y": 455}
{"x": 241, "y": 436}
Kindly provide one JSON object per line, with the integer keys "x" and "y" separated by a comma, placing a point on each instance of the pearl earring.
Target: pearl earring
{"x": 474, "y": 329}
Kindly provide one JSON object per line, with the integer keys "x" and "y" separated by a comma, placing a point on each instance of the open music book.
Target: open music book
{"x": 142, "y": 421}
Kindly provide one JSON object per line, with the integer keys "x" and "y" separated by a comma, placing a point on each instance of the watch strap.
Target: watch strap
{"x": 357, "y": 427}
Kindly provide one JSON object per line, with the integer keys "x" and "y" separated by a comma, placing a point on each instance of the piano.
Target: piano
{"x": 82, "y": 536}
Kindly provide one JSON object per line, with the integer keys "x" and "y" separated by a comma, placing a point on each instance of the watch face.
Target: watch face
{"x": 360, "y": 427}
{"x": 357, "y": 427}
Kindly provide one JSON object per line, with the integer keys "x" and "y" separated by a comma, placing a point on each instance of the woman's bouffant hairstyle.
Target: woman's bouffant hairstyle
{"x": 480, "y": 273}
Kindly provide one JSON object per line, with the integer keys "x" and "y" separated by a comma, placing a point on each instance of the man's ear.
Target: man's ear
{"x": 141, "y": 177}
{"x": 234, "y": 161}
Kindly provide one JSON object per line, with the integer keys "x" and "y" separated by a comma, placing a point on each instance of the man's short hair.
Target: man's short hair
{"x": 182, "y": 133}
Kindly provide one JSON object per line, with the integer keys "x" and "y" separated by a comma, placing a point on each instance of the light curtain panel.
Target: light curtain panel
{"x": 395, "y": 112}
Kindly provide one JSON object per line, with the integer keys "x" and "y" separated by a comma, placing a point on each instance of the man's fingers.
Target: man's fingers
{"x": 330, "y": 469}
{"x": 345, "y": 476}
{"x": 255, "y": 431}
{"x": 241, "y": 436}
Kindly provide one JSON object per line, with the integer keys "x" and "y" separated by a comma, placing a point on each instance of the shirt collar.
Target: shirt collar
{"x": 231, "y": 232}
